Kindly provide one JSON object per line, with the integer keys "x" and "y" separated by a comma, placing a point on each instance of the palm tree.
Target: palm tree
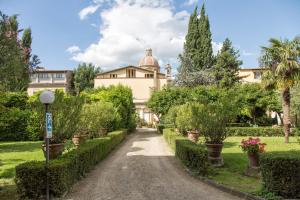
{"x": 282, "y": 61}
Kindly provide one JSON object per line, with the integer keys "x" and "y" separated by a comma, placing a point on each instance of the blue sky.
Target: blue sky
{"x": 115, "y": 33}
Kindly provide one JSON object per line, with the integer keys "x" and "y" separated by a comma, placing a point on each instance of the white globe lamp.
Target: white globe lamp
{"x": 47, "y": 97}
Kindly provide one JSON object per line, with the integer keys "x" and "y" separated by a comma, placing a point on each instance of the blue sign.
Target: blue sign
{"x": 48, "y": 125}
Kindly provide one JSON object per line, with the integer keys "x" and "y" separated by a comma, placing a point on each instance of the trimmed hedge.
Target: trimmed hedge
{"x": 192, "y": 155}
{"x": 281, "y": 173}
{"x": 254, "y": 131}
{"x": 161, "y": 127}
{"x": 64, "y": 171}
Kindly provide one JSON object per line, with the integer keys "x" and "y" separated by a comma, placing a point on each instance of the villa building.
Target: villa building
{"x": 143, "y": 79}
{"x": 43, "y": 79}
{"x": 252, "y": 75}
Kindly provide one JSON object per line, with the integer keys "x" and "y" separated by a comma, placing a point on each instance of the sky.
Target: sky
{"x": 115, "y": 33}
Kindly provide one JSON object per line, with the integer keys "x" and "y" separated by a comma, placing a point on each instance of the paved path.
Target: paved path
{"x": 143, "y": 168}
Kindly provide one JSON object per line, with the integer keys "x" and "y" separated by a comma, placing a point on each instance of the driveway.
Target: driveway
{"x": 143, "y": 168}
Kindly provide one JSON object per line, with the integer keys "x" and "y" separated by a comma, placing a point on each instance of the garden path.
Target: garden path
{"x": 143, "y": 168}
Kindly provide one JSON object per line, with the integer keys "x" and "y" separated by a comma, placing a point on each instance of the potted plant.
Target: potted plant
{"x": 187, "y": 121}
{"x": 212, "y": 120}
{"x": 65, "y": 112}
{"x": 80, "y": 136}
{"x": 253, "y": 147}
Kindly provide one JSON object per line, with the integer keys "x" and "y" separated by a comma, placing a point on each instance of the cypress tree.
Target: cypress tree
{"x": 204, "y": 54}
{"x": 190, "y": 44}
{"x": 227, "y": 65}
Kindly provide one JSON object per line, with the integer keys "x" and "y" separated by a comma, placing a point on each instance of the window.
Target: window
{"x": 113, "y": 75}
{"x": 149, "y": 75}
{"x": 43, "y": 76}
{"x": 60, "y": 75}
{"x": 130, "y": 73}
{"x": 257, "y": 75}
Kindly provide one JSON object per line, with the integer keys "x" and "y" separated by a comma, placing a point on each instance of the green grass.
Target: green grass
{"x": 12, "y": 154}
{"x": 235, "y": 162}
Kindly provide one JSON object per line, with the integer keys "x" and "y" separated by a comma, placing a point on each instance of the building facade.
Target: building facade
{"x": 42, "y": 79}
{"x": 142, "y": 80}
{"x": 252, "y": 75}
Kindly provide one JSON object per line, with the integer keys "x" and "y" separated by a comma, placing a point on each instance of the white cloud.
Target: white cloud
{"x": 246, "y": 53}
{"x": 191, "y": 2}
{"x": 130, "y": 26}
{"x": 87, "y": 11}
{"x": 217, "y": 46}
{"x": 73, "y": 49}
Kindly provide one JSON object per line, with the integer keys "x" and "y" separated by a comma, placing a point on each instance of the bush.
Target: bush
{"x": 13, "y": 123}
{"x": 254, "y": 131}
{"x": 281, "y": 173}
{"x": 192, "y": 155}
{"x": 161, "y": 127}
{"x": 64, "y": 171}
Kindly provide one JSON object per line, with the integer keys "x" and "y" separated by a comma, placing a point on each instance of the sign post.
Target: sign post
{"x": 48, "y": 136}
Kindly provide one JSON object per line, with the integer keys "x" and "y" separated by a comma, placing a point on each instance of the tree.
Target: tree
{"x": 227, "y": 65}
{"x": 204, "y": 54}
{"x": 16, "y": 61}
{"x": 84, "y": 76}
{"x": 196, "y": 59}
{"x": 281, "y": 60}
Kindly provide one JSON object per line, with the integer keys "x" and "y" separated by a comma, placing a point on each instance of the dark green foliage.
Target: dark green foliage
{"x": 197, "y": 57}
{"x": 192, "y": 155}
{"x": 16, "y": 61}
{"x": 66, "y": 170}
{"x": 14, "y": 99}
{"x": 161, "y": 127}
{"x": 13, "y": 123}
{"x": 227, "y": 65}
{"x": 84, "y": 76}
{"x": 254, "y": 131}
{"x": 281, "y": 173}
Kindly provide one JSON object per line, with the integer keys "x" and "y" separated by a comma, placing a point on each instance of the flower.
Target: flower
{"x": 252, "y": 145}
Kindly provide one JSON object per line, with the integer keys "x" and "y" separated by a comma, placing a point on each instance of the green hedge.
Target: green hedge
{"x": 254, "y": 131}
{"x": 281, "y": 173}
{"x": 64, "y": 171}
{"x": 194, "y": 156}
{"x": 161, "y": 127}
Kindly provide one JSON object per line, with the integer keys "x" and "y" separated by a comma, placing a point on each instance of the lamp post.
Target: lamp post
{"x": 47, "y": 97}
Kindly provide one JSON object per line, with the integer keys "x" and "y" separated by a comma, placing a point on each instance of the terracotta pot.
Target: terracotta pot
{"x": 102, "y": 132}
{"x": 214, "y": 150}
{"x": 193, "y": 136}
{"x": 253, "y": 160}
{"x": 79, "y": 139}
{"x": 55, "y": 150}
{"x": 214, "y": 154}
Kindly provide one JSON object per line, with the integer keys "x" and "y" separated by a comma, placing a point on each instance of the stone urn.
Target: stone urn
{"x": 79, "y": 139}
{"x": 253, "y": 160}
{"x": 214, "y": 154}
{"x": 55, "y": 150}
{"x": 193, "y": 136}
{"x": 102, "y": 132}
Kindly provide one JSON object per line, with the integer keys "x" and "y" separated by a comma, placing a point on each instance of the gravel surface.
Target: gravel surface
{"x": 143, "y": 167}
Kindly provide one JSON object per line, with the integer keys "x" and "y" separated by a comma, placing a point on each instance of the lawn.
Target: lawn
{"x": 12, "y": 154}
{"x": 235, "y": 162}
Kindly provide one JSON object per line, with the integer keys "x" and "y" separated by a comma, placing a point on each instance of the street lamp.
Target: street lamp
{"x": 47, "y": 97}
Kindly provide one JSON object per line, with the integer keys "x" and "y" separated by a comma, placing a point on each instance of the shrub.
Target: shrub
{"x": 254, "y": 131}
{"x": 192, "y": 155}
{"x": 161, "y": 127}
{"x": 98, "y": 115}
{"x": 13, "y": 123}
{"x": 64, "y": 171}
{"x": 281, "y": 173}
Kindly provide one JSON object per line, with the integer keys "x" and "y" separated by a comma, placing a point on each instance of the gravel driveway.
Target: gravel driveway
{"x": 143, "y": 167}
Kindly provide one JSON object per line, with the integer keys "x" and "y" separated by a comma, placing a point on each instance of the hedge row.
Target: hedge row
{"x": 161, "y": 127}
{"x": 281, "y": 173}
{"x": 64, "y": 171}
{"x": 254, "y": 131}
{"x": 192, "y": 155}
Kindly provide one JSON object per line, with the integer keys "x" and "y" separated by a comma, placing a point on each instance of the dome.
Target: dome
{"x": 149, "y": 62}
